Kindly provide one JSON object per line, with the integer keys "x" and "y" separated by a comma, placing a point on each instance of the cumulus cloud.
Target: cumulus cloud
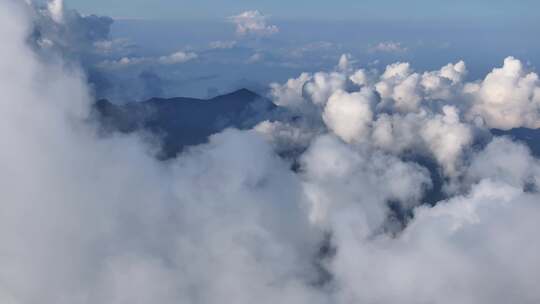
{"x": 290, "y": 94}
{"x": 403, "y": 89}
{"x": 253, "y": 23}
{"x": 505, "y": 161}
{"x": 443, "y": 136}
{"x": 400, "y": 86}
{"x": 93, "y": 217}
{"x": 447, "y": 138}
{"x": 435, "y": 113}
{"x": 468, "y": 243}
{"x": 349, "y": 115}
{"x": 509, "y": 97}
{"x": 323, "y": 85}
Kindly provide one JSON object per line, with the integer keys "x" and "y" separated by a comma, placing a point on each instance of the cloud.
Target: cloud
{"x": 434, "y": 113}
{"x": 111, "y": 46}
{"x": 99, "y": 219}
{"x": 124, "y": 62}
{"x": 444, "y": 135}
{"x": 323, "y": 85}
{"x": 74, "y": 36}
{"x": 345, "y": 62}
{"x": 349, "y": 115}
{"x": 319, "y": 46}
{"x": 400, "y": 86}
{"x": 290, "y": 94}
{"x": 257, "y": 57}
{"x": 509, "y": 97}
{"x": 253, "y": 23}
{"x": 93, "y": 217}
{"x": 341, "y": 178}
{"x": 505, "y": 161}
{"x": 175, "y": 58}
{"x": 435, "y": 251}
{"x": 223, "y": 44}
{"x": 56, "y": 9}
{"x": 178, "y": 57}
{"x": 404, "y": 90}
{"x": 388, "y": 47}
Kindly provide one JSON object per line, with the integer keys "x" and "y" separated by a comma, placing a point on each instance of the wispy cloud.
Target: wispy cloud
{"x": 388, "y": 47}
{"x": 175, "y": 58}
{"x": 223, "y": 44}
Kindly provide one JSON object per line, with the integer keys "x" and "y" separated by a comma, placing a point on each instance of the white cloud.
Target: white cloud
{"x": 124, "y": 62}
{"x": 89, "y": 219}
{"x": 253, "y": 22}
{"x": 349, "y": 115}
{"x": 505, "y": 161}
{"x": 469, "y": 243}
{"x": 388, "y": 47}
{"x": 343, "y": 179}
{"x": 323, "y": 85}
{"x": 56, "y": 9}
{"x": 178, "y": 57}
{"x": 443, "y": 84}
{"x": 290, "y": 93}
{"x": 175, "y": 58}
{"x": 444, "y": 136}
{"x": 509, "y": 97}
{"x": 447, "y": 138}
{"x": 400, "y": 87}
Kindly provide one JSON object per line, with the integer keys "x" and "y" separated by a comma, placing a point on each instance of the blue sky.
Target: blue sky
{"x": 312, "y": 36}
{"x": 498, "y": 11}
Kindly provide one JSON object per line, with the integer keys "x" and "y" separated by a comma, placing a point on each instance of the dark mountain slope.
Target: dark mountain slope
{"x": 182, "y": 122}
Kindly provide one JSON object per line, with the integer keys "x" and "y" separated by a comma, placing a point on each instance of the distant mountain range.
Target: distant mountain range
{"x": 181, "y": 122}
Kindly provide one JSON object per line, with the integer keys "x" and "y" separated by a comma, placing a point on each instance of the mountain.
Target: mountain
{"x": 182, "y": 122}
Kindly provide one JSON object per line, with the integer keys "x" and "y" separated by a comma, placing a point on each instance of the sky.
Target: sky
{"x": 497, "y": 11}
{"x": 286, "y": 38}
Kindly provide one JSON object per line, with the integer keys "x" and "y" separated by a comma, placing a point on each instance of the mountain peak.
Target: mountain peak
{"x": 241, "y": 93}
{"x": 183, "y": 122}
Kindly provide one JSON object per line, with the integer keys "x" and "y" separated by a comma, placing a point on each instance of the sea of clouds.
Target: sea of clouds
{"x": 87, "y": 217}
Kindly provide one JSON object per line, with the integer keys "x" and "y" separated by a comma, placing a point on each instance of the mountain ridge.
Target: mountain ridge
{"x": 182, "y": 121}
